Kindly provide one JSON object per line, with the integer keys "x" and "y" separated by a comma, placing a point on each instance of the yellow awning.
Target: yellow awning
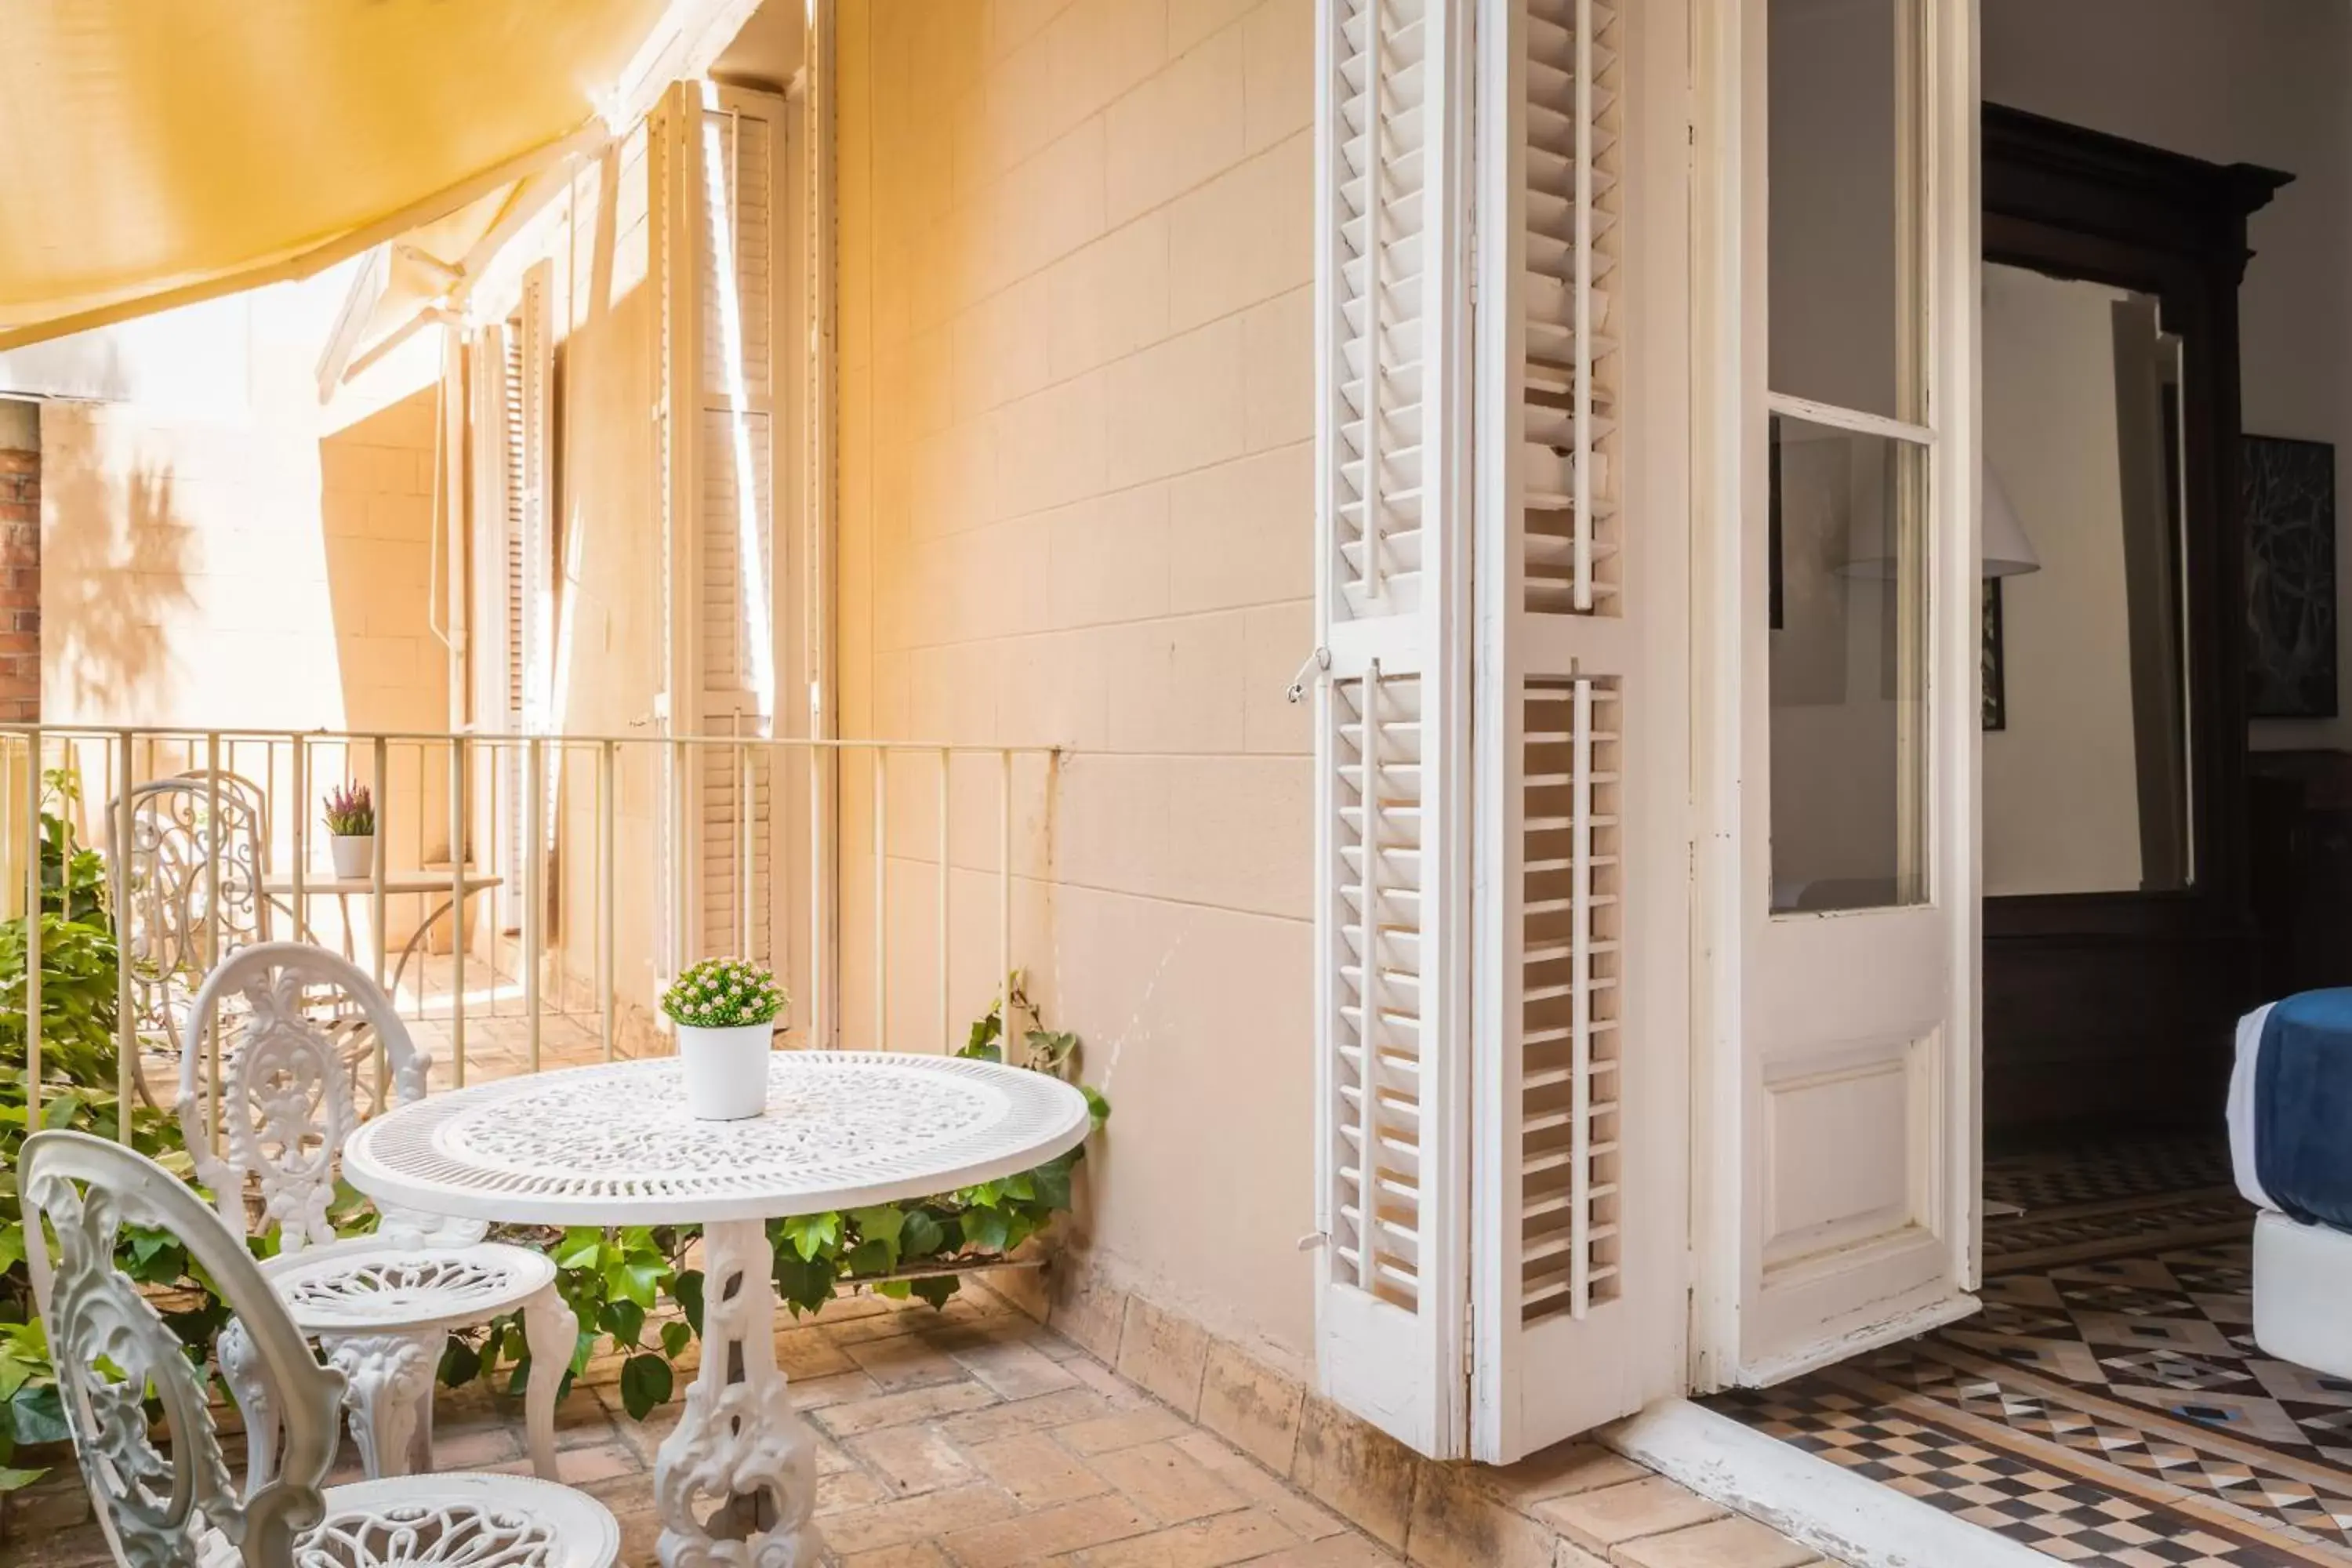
{"x": 155, "y": 151}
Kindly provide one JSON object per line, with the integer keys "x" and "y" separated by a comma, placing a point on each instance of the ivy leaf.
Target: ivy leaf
{"x": 645, "y": 1383}
{"x": 921, "y": 1236}
{"x": 813, "y": 1234}
{"x": 634, "y": 1281}
{"x": 868, "y": 1257}
{"x": 1050, "y": 1182}
{"x": 675, "y": 1337}
{"x": 806, "y": 1284}
{"x": 17, "y": 1481}
{"x": 987, "y": 1229}
{"x": 578, "y": 1247}
{"x": 460, "y": 1363}
{"x": 624, "y": 1320}
{"x": 937, "y": 1288}
{"x": 38, "y": 1415}
{"x": 687, "y": 1291}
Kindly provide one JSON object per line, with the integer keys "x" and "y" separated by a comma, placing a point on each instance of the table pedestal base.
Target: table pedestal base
{"x": 734, "y": 1484}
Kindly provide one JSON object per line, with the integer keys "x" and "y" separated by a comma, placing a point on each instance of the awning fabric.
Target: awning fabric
{"x": 155, "y": 151}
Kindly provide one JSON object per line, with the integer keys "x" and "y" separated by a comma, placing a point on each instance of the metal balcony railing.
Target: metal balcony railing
{"x": 525, "y": 897}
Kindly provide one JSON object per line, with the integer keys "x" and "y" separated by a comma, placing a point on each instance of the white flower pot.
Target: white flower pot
{"x": 726, "y": 1069}
{"x": 353, "y": 853}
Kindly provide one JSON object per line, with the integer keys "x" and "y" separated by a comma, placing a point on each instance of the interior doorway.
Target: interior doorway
{"x": 2108, "y": 1401}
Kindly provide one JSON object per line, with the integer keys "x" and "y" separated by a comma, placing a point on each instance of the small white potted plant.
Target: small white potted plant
{"x": 725, "y": 1013}
{"x": 351, "y": 827}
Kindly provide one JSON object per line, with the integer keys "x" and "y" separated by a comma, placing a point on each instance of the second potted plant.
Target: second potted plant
{"x": 725, "y": 1013}
{"x": 351, "y": 827}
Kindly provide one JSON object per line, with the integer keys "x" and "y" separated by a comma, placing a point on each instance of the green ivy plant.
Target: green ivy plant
{"x": 78, "y": 973}
{"x": 632, "y": 1289}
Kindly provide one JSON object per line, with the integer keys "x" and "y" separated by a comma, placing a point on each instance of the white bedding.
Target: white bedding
{"x": 2241, "y": 1107}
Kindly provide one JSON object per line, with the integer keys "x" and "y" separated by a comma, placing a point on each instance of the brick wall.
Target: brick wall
{"x": 20, "y": 585}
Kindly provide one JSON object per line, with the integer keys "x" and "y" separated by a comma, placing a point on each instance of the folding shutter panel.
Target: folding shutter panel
{"x": 1392, "y": 715}
{"x": 1558, "y": 1347}
{"x": 521, "y": 357}
{"x": 737, "y": 150}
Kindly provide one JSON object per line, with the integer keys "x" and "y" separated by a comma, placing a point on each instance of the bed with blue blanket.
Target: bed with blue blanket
{"x": 2291, "y": 1150}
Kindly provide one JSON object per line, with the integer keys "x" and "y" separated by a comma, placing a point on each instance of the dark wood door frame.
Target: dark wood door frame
{"x": 2117, "y": 1007}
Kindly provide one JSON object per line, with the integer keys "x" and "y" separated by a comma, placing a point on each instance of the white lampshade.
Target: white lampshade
{"x": 2004, "y": 548}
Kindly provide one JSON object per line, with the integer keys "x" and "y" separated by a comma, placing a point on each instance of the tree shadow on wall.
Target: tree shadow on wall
{"x": 115, "y": 561}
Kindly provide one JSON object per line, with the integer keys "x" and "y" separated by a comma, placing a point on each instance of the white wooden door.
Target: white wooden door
{"x": 1845, "y": 1130}
{"x": 1580, "y": 674}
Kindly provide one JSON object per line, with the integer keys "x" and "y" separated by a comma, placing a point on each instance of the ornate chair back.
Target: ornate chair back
{"x": 176, "y": 825}
{"x": 168, "y": 1507}
{"x": 287, "y": 1096}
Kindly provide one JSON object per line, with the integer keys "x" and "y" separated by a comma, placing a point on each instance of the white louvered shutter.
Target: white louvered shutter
{"x": 1560, "y": 1344}
{"x": 722, "y": 357}
{"x": 1393, "y": 714}
{"x": 519, "y": 357}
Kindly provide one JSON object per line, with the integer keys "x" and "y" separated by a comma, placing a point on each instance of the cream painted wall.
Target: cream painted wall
{"x": 2259, "y": 80}
{"x": 1075, "y": 490}
{"x": 2062, "y": 781}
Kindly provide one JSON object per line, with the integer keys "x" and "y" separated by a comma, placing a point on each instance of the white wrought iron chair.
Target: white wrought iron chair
{"x": 381, "y": 1306}
{"x": 183, "y": 829}
{"x": 179, "y": 1509}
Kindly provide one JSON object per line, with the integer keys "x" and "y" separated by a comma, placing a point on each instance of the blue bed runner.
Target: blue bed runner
{"x": 2302, "y": 1107}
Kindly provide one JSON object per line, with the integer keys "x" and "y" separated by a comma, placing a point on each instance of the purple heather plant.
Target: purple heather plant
{"x": 350, "y": 810}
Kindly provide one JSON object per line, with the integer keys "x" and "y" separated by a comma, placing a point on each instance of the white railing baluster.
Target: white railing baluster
{"x": 212, "y": 925}
{"x": 457, "y": 847}
{"x": 301, "y": 861}
{"x": 947, "y": 1016}
{"x": 534, "y": 896}
{"x": 881, "y": 899}
{"x": 1004, "y": 893}
{"x": 126, "y": 1019}
{"x": 33, "y": 927}
{"x": 607, "y": 990}
{"x": 378, "y": 900}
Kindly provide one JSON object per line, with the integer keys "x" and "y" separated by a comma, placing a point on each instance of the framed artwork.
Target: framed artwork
{"x": 1992, "y": 677}
{"x": 2290, "y": 506}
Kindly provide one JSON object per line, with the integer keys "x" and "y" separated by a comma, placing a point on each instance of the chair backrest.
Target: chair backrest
{"x": 175, "y": 824}
{"x": 160, "y": 1508}
{"x": 287, "y": 1100}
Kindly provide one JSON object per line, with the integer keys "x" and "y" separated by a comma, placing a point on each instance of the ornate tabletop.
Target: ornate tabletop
{"x": 613, "y": 1145}
{"x": 735, "y": 1482}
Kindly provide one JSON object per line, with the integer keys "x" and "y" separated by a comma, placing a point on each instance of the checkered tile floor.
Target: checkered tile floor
{"x": 2109, "y": 1404}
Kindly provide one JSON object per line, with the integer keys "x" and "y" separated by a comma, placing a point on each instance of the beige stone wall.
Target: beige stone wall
{"x": 1075, "y": 469}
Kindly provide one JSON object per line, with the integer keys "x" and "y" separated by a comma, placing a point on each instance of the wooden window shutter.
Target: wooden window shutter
{"x": 1393, "y": 714}
{"x": 719, "y": 159}
{"x": 1560, "y": 1344}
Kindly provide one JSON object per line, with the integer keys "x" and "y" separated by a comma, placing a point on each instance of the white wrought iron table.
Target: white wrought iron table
{"x": 281, "y": 888}
{"x": 613, "y": 1145}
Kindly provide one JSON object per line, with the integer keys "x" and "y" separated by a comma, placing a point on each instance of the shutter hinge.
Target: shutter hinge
{"x": 1469, "y": 1341}
{"x": 1473, "y": 265}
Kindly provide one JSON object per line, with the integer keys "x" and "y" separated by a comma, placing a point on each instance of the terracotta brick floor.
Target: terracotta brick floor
{"x": 974, "y": 1437}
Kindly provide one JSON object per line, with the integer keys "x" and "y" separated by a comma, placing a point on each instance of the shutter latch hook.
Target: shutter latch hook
{"x": 1320, "y": 660}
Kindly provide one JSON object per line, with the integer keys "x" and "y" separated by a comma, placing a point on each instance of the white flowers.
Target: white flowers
{"x": 723, "y": 992}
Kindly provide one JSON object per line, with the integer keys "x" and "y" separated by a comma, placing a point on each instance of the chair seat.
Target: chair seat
{"x": 450, "y": 1521}
{"x": 373, "y": 1285}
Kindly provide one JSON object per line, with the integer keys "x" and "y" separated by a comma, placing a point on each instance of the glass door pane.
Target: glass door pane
{"x": 1849, "y": 692}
